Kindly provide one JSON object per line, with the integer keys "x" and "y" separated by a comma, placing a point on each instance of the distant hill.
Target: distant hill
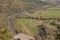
{"x": 32, "y": 5}
{"x": 17, "y": 6}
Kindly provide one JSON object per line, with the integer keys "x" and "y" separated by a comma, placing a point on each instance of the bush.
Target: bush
{"x": 5, "y": 34}
{"x": 54, "y": 23}
{"x": 41, "y": 29}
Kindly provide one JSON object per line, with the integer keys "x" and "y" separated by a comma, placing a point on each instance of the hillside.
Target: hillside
{"x": 18, "y": 6}
{"x": 33, "y": 17}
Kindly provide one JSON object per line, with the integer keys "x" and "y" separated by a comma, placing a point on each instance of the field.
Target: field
{"x": 30, "y": 26}
{"x": 48, "y": 13}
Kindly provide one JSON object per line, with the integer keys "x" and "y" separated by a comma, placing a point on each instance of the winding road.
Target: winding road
{"x": 10, "y": 25}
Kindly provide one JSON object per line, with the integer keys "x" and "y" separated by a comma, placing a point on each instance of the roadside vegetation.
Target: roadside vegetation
{"x": 33, "y": 19}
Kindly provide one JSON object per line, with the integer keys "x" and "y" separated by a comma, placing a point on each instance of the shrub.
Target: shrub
{"x": 5, "y": 34}
{"x": 41, "y": 29}
{"x": 54, "y": 23}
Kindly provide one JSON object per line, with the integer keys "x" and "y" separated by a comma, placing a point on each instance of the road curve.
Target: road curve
{"x": 10, "y": 26}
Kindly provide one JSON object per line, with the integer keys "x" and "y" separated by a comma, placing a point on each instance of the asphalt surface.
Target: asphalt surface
{"x": 10, "y": 25}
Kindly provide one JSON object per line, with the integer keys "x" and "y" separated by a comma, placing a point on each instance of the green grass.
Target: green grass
{"x": 49, "y": 13}
{"x": 29, "y": 24}
{"x": 4, "y": 32}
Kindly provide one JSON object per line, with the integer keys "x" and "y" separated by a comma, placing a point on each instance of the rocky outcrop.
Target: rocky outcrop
{"x": 22, "y": 36}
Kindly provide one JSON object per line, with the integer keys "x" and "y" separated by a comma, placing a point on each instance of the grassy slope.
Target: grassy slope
{"x": 28, "y": 25}
{"x": 49, "y": 13}
{"x": 31, "y": 25}
{"x": 24, "y": 5}
{"x": 16, "y": 7}
{"x": 4, "y": 33}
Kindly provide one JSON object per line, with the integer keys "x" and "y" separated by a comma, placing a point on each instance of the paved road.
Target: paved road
{"x": 10, "y": 25}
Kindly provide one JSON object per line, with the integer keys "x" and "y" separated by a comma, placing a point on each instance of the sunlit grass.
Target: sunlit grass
{"x": 29, "y": 24}
{"x": 49, "y": 13}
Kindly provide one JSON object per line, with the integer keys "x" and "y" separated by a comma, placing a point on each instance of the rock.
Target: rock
{"x": 23, "y": 36}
